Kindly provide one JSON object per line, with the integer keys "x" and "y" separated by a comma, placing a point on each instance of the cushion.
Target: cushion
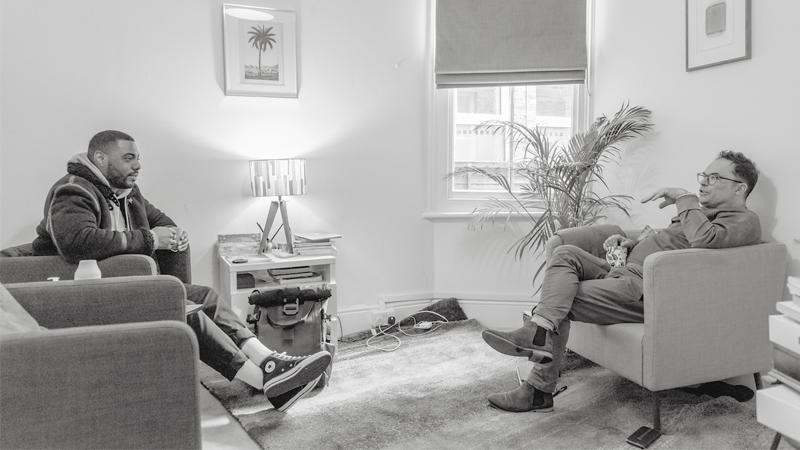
{"x": 589, "y": 238}
{"x": 13, "y": 317}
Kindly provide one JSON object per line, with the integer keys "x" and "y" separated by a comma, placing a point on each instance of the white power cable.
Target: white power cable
{"x": 385, "y": 331}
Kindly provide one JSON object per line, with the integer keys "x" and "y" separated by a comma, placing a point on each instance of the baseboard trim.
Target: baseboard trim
{"x": 500, "y": 311}
{"x": 355, "y": 319}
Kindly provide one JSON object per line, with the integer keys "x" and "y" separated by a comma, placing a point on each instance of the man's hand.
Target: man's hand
{"x": 618, "y": 240}
{"x": 668, "y": 194}
{"x": 165, "y": 236}
{"x": 180, "y": 240}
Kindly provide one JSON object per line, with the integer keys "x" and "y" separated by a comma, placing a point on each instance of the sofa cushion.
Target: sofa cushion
{"x": 13, "y": 317}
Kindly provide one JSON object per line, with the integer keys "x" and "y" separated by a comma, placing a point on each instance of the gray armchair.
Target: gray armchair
{"x": 116, "y": 367}
{"x": 705, "y": 315}
{"x": 17, "y": 264}
{"x": 20, "y": 269}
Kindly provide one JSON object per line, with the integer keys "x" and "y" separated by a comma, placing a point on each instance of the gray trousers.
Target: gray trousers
{"x": 220, "y": 332}
{"x": 580, "y": 286}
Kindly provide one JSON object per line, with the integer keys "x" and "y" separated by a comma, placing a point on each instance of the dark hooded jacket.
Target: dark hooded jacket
{"x": 82, "y": 217}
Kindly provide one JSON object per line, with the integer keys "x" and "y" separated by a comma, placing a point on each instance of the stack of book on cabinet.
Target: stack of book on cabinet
{"x": 309, "y": 244}
{"x": 778, "y": 407}
{"x": 294, "y": 275}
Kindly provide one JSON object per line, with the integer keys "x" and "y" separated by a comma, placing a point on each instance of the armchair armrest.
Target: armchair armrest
{"x": 38, "y": 268}
{"x": 589, "y": 238}
{"x": 115, "y": 386}
{"x": 709, "y": 308}
{"x": 60, "y": 304}
{"x": 177, "y": 264}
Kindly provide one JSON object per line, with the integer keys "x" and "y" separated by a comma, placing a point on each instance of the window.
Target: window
{"x": 503, "y": 72}
{"x": 555, "y": 108}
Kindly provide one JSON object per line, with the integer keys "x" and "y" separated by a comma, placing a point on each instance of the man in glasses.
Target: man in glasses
{"x": 580, "y": 286}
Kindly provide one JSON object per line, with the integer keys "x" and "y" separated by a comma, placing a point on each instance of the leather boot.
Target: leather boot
{"x": 531, "y": 341}
{"x": 719, "y": 388}
{"x": 523, "y": 399}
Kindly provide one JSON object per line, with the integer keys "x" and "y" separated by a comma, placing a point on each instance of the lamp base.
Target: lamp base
{"x": 287, "y": 230}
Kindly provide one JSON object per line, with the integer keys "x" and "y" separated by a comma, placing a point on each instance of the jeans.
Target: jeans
{"x": 220, "y": 333}
{"x": 580, "y": 286}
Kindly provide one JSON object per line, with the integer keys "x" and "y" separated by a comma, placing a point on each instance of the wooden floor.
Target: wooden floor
{"x": 220, "y": 430}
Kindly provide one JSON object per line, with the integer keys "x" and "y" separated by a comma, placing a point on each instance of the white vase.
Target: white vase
{"x": 87, "y": 270}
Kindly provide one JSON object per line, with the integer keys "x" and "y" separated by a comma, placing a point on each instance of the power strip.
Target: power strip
{"x": 424, "y": 325}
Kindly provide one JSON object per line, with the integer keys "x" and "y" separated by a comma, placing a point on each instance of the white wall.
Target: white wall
{"x": 639, "y": 56}
{"x": 476, "y": 267}
{"x": 748, "y": 106}
{"x": 153, "y": 68}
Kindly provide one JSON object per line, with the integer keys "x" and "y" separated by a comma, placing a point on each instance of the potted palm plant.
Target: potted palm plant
{"x": 554, "y": 185}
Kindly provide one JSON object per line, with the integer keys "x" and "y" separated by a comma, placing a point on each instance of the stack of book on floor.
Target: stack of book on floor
{"x": 310, "y": 244}
{"x": 778, "y": 407}
{"x": 294, "y": 275}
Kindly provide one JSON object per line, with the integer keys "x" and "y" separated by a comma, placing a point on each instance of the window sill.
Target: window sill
{"x": 436, "y": 216}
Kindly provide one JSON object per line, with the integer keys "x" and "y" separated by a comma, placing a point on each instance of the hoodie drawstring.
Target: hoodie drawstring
{"x": 113, "y": 198}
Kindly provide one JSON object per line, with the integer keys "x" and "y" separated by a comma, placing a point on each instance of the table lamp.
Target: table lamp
{"x": 277, "y": 178}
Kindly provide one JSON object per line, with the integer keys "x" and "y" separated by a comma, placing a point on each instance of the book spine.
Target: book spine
{"x": 289, "y": 276}
{"x": 789, "y": 309}
{"x": 778, "y": 407}
{"x": 300, "y": 280}
{"x": 331, "y": 250}
{"x": 289, "y": 270}
{"x": 785, "y": 332}
{"x": 786, "y": 362}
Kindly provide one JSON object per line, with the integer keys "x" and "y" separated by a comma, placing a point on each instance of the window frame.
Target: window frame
{"x": 443, "y": 199}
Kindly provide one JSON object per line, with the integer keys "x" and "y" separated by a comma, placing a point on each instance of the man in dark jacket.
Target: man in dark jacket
{"x": 96, "y": 210}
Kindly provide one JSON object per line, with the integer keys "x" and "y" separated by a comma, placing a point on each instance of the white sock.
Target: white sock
{"x": 251, "y": 374}
{"x": 543, "y": 322}
{"x": 255, "y": 350}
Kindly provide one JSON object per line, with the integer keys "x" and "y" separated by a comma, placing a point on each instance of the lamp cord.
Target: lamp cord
{"x": 276, "y": 233}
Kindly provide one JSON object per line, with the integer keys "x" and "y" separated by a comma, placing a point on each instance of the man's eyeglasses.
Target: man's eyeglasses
{"x": 712, "y": 178}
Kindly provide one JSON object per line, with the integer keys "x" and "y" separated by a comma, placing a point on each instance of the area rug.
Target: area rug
{"x": 431, "y": 393}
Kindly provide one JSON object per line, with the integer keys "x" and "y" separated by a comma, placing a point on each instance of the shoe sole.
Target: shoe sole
{"x": 303, "y": 373}
{"x": 540, "y": 410}
{"x": 300, "y": 394}
{"x": 509, "y": 348}
{"x": 719, "y": 389}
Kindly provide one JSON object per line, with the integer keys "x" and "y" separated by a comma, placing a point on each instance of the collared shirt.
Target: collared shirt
{"x": 699, "y": 227}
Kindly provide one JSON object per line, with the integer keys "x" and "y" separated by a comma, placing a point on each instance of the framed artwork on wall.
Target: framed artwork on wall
{"x": 717, "y": 32}
{"x": 260, "y": 48}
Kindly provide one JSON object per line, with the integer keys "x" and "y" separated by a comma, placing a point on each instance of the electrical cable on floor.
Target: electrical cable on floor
{"x": 385, "y": 331}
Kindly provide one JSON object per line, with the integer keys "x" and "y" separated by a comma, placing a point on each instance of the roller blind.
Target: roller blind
{"x": 510, "y": 42}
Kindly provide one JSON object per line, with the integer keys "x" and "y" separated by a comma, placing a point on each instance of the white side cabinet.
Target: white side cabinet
{"x": 259, "y": 265}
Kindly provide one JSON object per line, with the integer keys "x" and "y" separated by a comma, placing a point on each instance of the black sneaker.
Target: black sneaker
{"x": 282, "y": 372}
{"x": 523, "y": 399}
{"x": 530, "y": 340}
{"x": 287, "y": 399}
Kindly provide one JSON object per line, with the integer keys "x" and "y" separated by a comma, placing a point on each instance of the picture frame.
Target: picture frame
{"x": 260, "y": 51}
{"x": 717, "y": 32}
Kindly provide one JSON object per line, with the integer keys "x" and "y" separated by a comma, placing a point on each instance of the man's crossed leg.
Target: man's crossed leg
{"x": 577, "y": 286}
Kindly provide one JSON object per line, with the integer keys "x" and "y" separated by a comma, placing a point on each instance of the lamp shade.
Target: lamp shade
{"x": 277, "y": 177}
